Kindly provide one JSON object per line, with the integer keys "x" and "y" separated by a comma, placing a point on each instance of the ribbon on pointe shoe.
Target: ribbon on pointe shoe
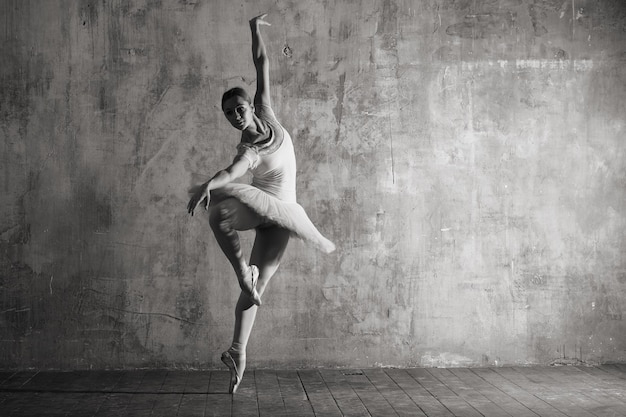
{"x": 250, "y": 290}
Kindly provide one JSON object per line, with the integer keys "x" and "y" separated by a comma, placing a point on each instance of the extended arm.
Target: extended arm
{"x": 236, "y": 170}
{"x": 261, "y": 62}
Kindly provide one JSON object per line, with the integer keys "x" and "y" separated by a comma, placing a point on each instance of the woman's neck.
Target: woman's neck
{"x": 256, "y": 131}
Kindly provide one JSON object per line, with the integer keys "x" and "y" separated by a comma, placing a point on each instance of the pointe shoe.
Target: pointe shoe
{"x": 252, "y": 292}
{"x": 235, "y": 379}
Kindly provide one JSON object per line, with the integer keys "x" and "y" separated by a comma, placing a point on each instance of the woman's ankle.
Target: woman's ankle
{"x": 247, "y": 279}
{"x": 237, "y": 349}
{"x": 244, "y": 273}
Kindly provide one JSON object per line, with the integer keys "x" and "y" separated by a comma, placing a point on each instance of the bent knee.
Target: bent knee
{"x": 221, "y": 215}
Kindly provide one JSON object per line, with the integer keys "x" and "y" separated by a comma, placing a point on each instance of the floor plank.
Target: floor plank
{"x": 572, "y": 391}
{"x": 269, "y": 398}
{"x": 18, "y": 380}
{"x": 114, "y": 405}
{"x": 615, "y": 369}
{"x": 572, "y": 381}
{"x": 197, "y": 382}
{"x": 529, "y": 400}
{"x": 321, "y": 399}
{"x": 483, "y": 405}
{"x": 175, "y": 381}
{"x": 427, "y": 403}
{"x": 374, "y": 402}
{"x": 294, "y": 396}
{"x": 614, "y": 389}
{"x": 245, "y": 403}
{"x": 128, "y": 382}
{"x": 403, "y": 405}
{"x": 550, "y": 391}
{"x": 192, "y": 405}
{"x": 605, "y": 379}
{"x": 218, "y": 401}
{"x": 454, "y": 403}
{"x": 152, "y": 381}
{"x": 507, "y": 403}
{"x": 346, "y": 398}
{"x": 5, "y": 376}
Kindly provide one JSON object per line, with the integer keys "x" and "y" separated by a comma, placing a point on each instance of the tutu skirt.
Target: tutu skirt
{"x": 288, "y": 215}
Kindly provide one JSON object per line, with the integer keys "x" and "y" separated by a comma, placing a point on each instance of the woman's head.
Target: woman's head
{"x": 237, "y": 107}
{"x": 236, "y": 91}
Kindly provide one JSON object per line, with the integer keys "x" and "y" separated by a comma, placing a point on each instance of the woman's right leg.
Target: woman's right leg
{"x": 226, "y": 218}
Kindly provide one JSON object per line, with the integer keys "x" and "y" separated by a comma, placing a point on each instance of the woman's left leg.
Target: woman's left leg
{"x": 269, "y": 247}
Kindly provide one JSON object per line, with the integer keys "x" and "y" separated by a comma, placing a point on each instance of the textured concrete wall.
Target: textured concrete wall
{"x": 467, "y": 157}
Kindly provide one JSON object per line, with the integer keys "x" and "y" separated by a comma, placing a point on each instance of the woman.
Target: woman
{"x": 268, "y": 205}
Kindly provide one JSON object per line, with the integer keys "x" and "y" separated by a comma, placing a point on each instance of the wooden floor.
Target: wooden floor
{"x": 503, "y": 391}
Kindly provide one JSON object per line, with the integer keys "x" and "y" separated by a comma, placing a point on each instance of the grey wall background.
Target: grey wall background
{"x": 467, "y": 157}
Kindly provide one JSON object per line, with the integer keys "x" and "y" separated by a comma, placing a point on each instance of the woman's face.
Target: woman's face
{"x": 238, "y": 111}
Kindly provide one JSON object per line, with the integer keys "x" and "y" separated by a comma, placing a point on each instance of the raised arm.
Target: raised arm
{"x": 261, "y": 62}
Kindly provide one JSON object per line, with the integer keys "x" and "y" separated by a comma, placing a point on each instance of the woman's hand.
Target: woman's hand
{"x": 255, "y": 22}
{"x": 200, "y": 194}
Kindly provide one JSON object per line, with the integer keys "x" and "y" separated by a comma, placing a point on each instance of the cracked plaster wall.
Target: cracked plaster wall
{"x": 467, "y": 157}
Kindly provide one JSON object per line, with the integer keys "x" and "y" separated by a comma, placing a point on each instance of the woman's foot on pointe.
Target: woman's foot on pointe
{"x": 236, "y": 363}
{"x": 248, "y": 285}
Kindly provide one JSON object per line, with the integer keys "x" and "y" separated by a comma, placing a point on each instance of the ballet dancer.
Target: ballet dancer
{"x": 268, "y": 205}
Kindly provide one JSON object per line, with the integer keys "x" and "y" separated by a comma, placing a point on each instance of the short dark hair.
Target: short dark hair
{"x": 236, "y": 91}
